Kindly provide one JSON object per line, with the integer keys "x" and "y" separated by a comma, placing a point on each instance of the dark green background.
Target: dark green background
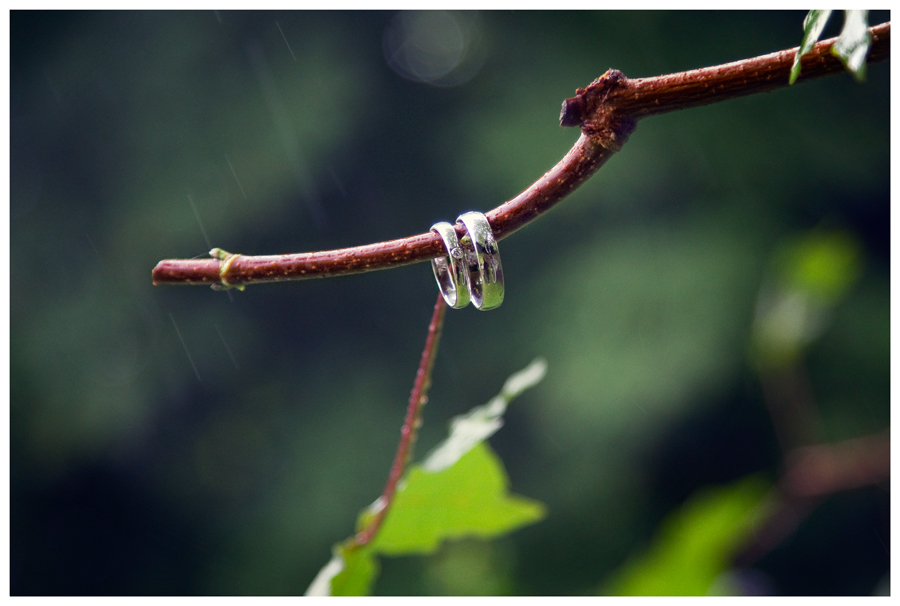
{"x": 138, "y": 470}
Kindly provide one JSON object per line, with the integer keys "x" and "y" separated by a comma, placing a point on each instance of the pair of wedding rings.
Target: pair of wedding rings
{"x": 471, "y": 270}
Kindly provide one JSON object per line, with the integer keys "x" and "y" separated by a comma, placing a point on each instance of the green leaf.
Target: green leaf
{"x": 813, "y": 25}
{"x": 466, "y": 499}
{"x": 351, "y": 571}
{"x": 359, "y": 573}
{"x": 460, "y": 490}
{"x": 695, "y": 544}
{"x": 853, "y": 43}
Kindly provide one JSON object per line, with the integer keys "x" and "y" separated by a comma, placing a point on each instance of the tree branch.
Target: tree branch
{"x": 650, "y": 96}
{"x": 606, "y": 111}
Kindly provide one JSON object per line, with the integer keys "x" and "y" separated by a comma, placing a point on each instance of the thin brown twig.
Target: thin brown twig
{"x": 417, "y": 399}
{"x": 822, "y": 469}
{"x": 812, "y": 474}
{"x": 606, "y": 111}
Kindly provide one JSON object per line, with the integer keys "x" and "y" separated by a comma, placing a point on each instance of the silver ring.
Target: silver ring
{"x": 483, "y": 260}
{"x": 450, "y": 271}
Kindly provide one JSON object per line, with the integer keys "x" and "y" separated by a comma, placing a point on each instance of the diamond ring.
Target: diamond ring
{"x": 450, "y": 271}
{"x": 483, "y": 261}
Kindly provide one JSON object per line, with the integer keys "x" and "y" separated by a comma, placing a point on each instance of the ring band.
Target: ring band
{"x": 483, "y": 260}
{"x": 450, "y": 270}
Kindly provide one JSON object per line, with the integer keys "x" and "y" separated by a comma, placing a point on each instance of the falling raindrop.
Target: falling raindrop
{"x": 286, "y": 41}
{"x": 227, "y": 349}
{"x": 287, "y": 132}
{"x": 199, "y": 222}
{"x": 184, "y": 345}
{"x": 243, "y": 193}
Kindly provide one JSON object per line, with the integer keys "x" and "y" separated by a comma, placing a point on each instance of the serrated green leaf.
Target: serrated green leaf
{"x": 694, "y": 545}
{"x": 461, "y": 490}
{"x": 853, "y": 43}
{"x": 813, "y": 24}
{"x": 467, "y": 499}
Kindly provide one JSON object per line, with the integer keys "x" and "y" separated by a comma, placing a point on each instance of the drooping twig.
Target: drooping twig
{"x": 813, "y": 473}
{"x": 606, "y": 111}
{"x": 824, "y": 469}
{"x": 417, "y": 399}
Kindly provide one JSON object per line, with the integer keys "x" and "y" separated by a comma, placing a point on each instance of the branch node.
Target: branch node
{"x": 594, "y": 110}
{"x": 227, "y": 259}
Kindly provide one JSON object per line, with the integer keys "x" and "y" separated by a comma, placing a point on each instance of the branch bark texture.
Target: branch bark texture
{"x": 606, "y": 111}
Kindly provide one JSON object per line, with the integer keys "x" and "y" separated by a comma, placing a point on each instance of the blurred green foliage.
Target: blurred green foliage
{"x": 812, "y": 273}
{"x": 226, "y": 456}
{"x": 822, "y": 265}
{"x": 695, "y": 545}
